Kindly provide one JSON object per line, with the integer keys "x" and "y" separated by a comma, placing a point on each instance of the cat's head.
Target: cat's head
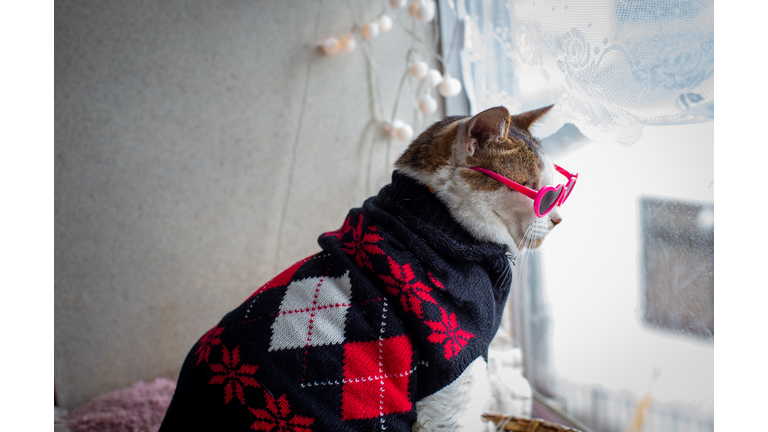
{"x": 442, "y": 155}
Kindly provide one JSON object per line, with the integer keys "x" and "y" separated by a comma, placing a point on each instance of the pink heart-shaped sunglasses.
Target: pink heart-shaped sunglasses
{"x": 545, "y": 199}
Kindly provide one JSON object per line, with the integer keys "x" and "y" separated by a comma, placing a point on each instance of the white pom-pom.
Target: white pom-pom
{"x": 385, "y": 23}
{"x": 391, "y": 128}
{"x": 397, "y": 4}
{"x": 414, "y": 8}
{"x": 348, "y": 43}
{"x": 427, "y": 104}
{"x": 434, "y": 77}
{"x": 426, "y": 12}
{"x": 449, "y": 87}
{"x": 370, "y": 29}
{"x": 419, "y": 69}
{"x": 403, "y": 131}
{"x": 330, "y": 46}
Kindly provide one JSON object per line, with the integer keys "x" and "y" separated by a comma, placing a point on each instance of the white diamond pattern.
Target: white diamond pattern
{"x": 312, "y": 313}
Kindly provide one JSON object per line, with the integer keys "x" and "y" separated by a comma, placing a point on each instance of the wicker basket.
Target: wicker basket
{"x": 519, "y": 424}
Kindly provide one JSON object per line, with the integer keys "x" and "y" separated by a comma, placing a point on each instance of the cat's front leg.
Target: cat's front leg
{"x": 459, "y": 406}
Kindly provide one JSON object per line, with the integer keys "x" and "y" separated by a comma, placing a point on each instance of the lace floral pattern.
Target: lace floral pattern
{"x": 609, "y": 66}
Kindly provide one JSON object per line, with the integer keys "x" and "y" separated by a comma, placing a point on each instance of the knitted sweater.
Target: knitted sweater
{"x": 398, "y": 303}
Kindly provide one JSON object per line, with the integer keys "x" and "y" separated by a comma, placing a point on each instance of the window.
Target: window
{"x": 616, "y": 298}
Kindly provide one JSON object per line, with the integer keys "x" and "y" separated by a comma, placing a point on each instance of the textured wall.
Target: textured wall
{"x": 177, "y": 124}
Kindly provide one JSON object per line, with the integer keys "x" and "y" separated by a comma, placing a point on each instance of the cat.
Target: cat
{"x": 388, "y": 327}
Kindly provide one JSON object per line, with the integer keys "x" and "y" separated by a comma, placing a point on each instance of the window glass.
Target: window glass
{"x": 625, "y": 290}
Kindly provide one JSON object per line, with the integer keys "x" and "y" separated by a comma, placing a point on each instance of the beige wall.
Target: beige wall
{"x": 175, "y": 129}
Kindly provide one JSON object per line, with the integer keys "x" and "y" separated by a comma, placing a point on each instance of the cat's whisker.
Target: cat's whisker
{"x": 530, "y": 234}
{"x": 528, "y": 239}
{"x": 523, "y": 240}
{"x": 507, "y": 273}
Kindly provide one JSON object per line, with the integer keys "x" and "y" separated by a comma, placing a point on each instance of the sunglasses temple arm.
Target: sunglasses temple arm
{"x": 563, "y": 171}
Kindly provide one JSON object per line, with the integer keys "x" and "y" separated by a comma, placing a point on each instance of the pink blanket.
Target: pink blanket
{"x": 140, "y": 407}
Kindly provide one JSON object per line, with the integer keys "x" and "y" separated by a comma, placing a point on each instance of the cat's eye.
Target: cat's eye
{"x": 546, "y": 198}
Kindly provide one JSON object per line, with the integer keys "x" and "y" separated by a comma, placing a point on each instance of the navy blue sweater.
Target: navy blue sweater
{"x": 398, "y": 303}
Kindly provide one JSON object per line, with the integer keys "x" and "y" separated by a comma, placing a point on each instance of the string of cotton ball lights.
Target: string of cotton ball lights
{"x": 422, "y": 10}
{"x": 333, "y": 45}
{"x": 428, "y": 78}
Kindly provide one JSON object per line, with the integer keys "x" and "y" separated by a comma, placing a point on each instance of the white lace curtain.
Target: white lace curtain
{"x": 609, "y": 66}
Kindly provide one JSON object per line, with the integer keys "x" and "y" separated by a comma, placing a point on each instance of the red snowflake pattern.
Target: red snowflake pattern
{"x": 206, "y": 342}
{"x": 339, "y": 233}
{"x": 276, "y": 416}
{"x": 363, "y": 245}
{"x": 405, "y": 285}
{"x": 435, "y": 281}
{"x": 447, "y": 331}
{"x": 234, "y": 377}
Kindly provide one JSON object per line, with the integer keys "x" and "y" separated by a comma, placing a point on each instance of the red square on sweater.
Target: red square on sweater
{"x": 376, "y": 377}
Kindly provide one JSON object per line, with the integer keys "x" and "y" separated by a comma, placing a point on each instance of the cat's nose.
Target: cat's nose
{"x": 556, "y": 219}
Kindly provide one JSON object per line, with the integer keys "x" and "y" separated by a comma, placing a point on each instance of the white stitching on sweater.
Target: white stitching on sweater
{"x": 381, "y": 364}
{"x": 364, "y": 379}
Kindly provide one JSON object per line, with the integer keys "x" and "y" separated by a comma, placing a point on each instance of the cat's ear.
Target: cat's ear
{"x": 525, "y": 120}
{"x": 487, "y": 126}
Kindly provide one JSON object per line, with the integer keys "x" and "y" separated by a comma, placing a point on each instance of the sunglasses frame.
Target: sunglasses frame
{"x": 563, "y": 192}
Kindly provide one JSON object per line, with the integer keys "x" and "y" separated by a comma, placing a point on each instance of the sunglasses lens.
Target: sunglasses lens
{"x": 548, "y": 200}
{"x": 568, "y": 191}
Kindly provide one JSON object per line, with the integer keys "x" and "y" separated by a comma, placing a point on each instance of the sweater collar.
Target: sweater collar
{"x": 429, "y": 218}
